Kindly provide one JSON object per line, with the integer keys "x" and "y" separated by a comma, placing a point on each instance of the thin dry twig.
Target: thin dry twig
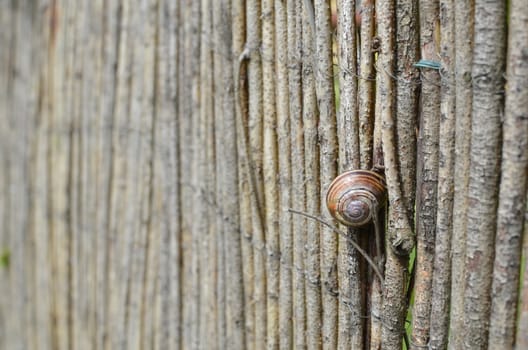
{"x": 341, "y": 233}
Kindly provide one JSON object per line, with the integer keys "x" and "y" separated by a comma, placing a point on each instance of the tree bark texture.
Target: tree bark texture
{"x": 351, "y": 269}
{"x": 151, "y": 152}
{"x": 310, "y": 119}
{"x": 488, "y": 91}
{"x": 464, "y": 29}
{"x": 327, "y": 140}
{"x": 512, "y": 192}
{"x": 407, "y": 87}
{"x": 285, "y": 251}
{"x": 298, "y": 197}
{"x": 441, "y": 283}
{"x": 427, "y": 175}
{"x": 399, "y": 239}
{"x": 521, "y": 339}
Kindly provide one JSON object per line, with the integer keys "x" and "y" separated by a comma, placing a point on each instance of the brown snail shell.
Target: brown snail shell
{"x": 354, "y": 197}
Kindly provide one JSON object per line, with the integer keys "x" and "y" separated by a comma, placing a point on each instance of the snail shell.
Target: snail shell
{"x": 355, "y": 196}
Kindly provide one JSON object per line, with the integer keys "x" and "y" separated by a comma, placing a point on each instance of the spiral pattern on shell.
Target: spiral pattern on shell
{"x": 354, "y": 196}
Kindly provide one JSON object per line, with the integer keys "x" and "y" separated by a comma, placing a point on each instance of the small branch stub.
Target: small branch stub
{"x": 355, "y": 197}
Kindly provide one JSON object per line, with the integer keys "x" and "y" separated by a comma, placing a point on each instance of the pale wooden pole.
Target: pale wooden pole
{"x": 512, "y": 193}
{"x": 464, "y": 29}
{"x": 298, "y": 197}
{"x": 484, "y": 174}
{"x": 441, "y": 283}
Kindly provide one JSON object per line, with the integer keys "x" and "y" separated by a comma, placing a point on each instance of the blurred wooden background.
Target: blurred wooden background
{"x": 151, "y": 150}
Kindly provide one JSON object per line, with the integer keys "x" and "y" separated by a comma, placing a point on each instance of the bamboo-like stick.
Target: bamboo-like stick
{"x": 284, "y": 177}
{"x": 118, "y": 256}
{"x": 347, "y": 116}
{"x": 441, "y": 283}
{"x": 166, "y": 197}
{"x": 464, "y": 29}
{"x": 295, "y": 22}
{"x": 351, "y": 323}
{"x": 327, "y": 139}
{"x": 198, "y": 165}
{"x": 255, "y": 127}
{"x": 488, "y": 85}
{"x": 366, "y": 98}
{"x": 311, "y": 166}
{"x": 39, "y": 244}
{"x": 399, "y": 234}
{"x": 241, "y": 113}
{"x": 203, "y": 188}
{"x": 186, "y": 62}
{"x": 365, "y": 83}
{"x": 427, "y": 176}
{"x": 270, "y": 171}
{"x": 407, "y": 83}
{"x": 512, "y": 195}
{"x": 521, "y": 339}
{"x": 235, "y": 335}
{"x": 138, "y": 153}
{"x": 220, "y": 50}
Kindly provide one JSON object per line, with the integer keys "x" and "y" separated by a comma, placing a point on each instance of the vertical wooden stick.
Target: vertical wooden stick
{"x": 441, "y": 283}
{"x": 512, "y": 195}
{"x": 488, "y": 84}
{"x": 295, "y": 22}
{"x": 464, "y": 28}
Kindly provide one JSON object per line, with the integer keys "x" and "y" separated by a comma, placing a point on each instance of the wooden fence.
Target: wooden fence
{"x": 165, "y": 166}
